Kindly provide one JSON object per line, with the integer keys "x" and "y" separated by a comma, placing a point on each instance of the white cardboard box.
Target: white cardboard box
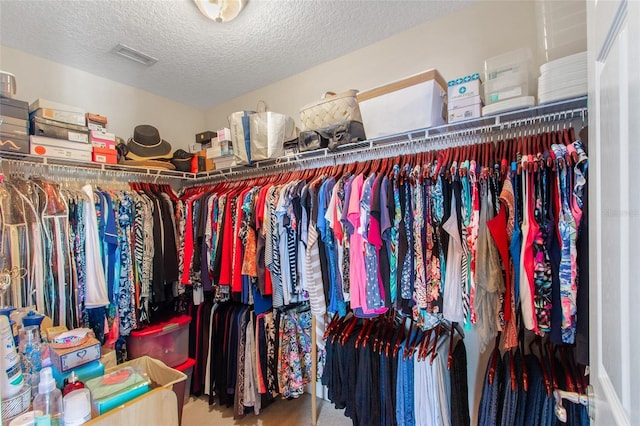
{"x": 465, "y": 113}
{"x": 60, "y": 148}
{"x": 415, "y": 102}
{"x": 465, "y": 87}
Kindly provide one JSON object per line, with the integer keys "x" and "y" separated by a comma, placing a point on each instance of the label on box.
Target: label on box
{"x": 96, "y": 127}
{"x": 102, "y": 136}
{"x": 99, "y": 158}
{"x": 67, "y": 359}
{"x": 77, "y": 137}
{"x": 104, "y": 144}
{"x": 466, "y": 113}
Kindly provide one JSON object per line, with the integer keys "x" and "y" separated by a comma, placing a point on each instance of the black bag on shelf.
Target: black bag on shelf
{"x": 332, "y": 136}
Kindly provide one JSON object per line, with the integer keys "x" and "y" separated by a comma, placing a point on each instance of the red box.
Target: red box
{"x": 104, "y": 155}
{"x": 167, "y": 341}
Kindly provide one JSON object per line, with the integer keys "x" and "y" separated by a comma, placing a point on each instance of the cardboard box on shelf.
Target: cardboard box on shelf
{"x": 96, "y": 122}
{"x": 464, "y": 87}
{"x": 205, "y": 137}
{"x": 224, "y": 134}
{"x": 415, "y": 102}
{"x": 55, "y": 129}
{"x": 58, "y": 112}
{"x": 104, "y": 155}
{"x": 59, "y": 148}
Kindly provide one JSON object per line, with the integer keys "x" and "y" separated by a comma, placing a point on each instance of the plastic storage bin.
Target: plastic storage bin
{"x": 186, "y": 368}
{"x": 508, "y": 86}
{"x": 167, "y": 341}
{"x": 508, "y": 64}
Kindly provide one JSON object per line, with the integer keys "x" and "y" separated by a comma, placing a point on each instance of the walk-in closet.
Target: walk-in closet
{"x": 333, "y": 212}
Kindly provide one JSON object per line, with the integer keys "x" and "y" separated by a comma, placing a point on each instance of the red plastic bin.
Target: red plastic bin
{"x": 186, "y": 368}
{"x": 167, "y": 341}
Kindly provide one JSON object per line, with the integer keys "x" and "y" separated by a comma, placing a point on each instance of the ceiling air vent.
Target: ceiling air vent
{"x": 134, "y": 55}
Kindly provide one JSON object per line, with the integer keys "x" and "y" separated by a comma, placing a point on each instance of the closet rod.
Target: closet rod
{"x": 23, "y": 165}
{"x": 371, "y": 150}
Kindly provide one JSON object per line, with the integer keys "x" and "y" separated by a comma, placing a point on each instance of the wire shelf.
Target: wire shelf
{"x": 413, "y": 141}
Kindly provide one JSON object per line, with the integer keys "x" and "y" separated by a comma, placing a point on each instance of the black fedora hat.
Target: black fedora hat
{"x": 146, "y": 143}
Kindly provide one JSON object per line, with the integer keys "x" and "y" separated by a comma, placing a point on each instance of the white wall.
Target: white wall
{"x": 456, "y": 45}
{"x": 124, "y": 106}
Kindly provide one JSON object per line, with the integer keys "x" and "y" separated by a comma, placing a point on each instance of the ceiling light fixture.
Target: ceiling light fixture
{"x": 221, "y": 10}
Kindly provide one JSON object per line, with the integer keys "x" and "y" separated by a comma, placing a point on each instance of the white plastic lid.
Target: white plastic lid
{"x": 47, "y": 383}
{"x": 26, "y": 419}
{"x": 77, "y": 407}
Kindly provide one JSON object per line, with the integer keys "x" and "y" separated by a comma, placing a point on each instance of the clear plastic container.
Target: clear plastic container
{"x": 508, "y": 64}
{"x": 507, "y": 87}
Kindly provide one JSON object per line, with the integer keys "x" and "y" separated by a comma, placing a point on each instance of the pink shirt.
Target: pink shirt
{"x": 357, "y": 272}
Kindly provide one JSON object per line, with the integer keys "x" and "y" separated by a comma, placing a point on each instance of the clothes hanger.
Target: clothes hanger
{"x": 348, "y": 329}
{"x": 411, "y": 338}
{"x": 523, "y": 364}
{"x": 379, "y": 332}
{"x": 366, "y": 325}
{"x": 452, "y": 332}
{"x": 424, "y": 347}
{"x": 543, "y": 365}
{"x": 434, "y": 350}
{"x": 400, "y": 337}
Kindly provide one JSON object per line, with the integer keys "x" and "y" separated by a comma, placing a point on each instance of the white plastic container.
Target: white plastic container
{"x": 48, "y": 400}
{"x": 11, "y": 379}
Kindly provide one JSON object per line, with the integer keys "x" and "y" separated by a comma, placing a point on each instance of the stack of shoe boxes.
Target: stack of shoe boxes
{"x": 14, "y": 125}
{"x": 103, "y": 143}
{"x": 59, "y": 131}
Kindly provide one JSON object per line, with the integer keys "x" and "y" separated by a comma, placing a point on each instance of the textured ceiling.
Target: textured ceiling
{"x": 200, "y": 62}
